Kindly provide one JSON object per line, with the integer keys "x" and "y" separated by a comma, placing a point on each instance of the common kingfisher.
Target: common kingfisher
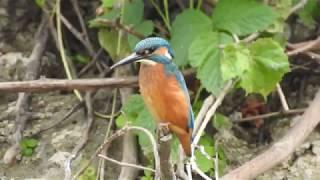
{"x": 163, "y": 87}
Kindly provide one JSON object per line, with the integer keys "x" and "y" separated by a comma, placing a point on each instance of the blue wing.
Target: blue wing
{"x": 173, "y": 69}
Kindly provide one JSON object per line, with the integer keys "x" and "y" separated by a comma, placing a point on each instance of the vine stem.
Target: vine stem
{"x": 167, "y": 23}
{"x": 61, "y": 48}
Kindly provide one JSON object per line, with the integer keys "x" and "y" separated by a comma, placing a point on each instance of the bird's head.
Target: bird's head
{"x": 150, "y": 51}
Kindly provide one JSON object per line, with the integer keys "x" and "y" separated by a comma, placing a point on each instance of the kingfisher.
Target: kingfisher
{"x": 163, "y": 87}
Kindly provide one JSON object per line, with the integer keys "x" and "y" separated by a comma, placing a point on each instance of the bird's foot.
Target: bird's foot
{"x": 164, "y": 132}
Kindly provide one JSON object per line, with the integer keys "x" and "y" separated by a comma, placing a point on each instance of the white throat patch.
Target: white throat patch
{"x": 167, "y": 54}
{"x": 147, "y": 62}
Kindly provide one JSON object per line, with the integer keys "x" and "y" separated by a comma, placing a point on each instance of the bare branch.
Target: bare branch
{"x": 282, "y": 98}
{"x": 273, "y": 114}
{"x": 126, "y": 164}
{"x": 43, "y": 85}
{"x": 310, "y": 45}
{"x": 210, "y": 113}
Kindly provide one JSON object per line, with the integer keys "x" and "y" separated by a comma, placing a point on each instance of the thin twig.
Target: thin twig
{"x": 119, "y": 25}
{"x": 126, "y": 164}
{"x": 282, "y": 98}
{"x": 307, "y": 47}
{"x": 76, "y": 8}
{"x": 104, "y": 145}
{"x": 269, "y": 115}
{"x": 78, "y": 35}
{"x": 66, "y": 116}
{"x": 210, "y": 113}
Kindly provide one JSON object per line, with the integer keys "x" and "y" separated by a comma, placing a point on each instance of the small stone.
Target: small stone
{"x": 59, "y": 158}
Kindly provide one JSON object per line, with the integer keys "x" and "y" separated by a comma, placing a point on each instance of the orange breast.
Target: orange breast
{"x": 165, "y": 100}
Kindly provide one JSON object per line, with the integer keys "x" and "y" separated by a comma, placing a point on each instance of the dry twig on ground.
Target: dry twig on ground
{"x": 32, "y": 72}
{"x": 280, "y": 150}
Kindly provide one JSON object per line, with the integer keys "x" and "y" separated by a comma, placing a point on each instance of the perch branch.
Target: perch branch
{"x": 280, "y": 150}
{"x": 43, "y": 85}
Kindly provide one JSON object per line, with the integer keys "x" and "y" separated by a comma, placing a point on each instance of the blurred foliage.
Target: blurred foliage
{"x": 28, "y": 145}
{"x": 88, "y": 174}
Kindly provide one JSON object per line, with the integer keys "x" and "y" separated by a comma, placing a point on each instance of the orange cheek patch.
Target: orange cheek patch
{"x": 161, "y": 51}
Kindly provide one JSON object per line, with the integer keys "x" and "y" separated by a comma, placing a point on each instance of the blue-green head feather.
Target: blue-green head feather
{"x": 153, "y": 43}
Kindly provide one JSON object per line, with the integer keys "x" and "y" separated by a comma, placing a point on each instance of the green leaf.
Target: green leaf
{"x": 31, "y": 143}
{"x": 138, "y": 115}
{"x": 269, "y": 64}
{"x": 109, "y": 41}
{"x": 107, "y": 3}
{"x": 120, "y": 121}
{"x": 133, "y": 12}
{"x": 40, "y": 3}
{"x": 203, "y": 162}
{"x": 107, "y": 16}
{"x": 221, "y": 121}
{"x": 185, "y": 28}
{"x": 205, "y": 55}
{"x": 145, "y": 28}
{"x": 81, "y": 59}
{"x": 242, "y": 17}
{"x": 259, "y": 67}
{"x": 309, "y": 12}
{"x": 27, "y": 152}
{"x": 282, "y": 8}
{"x": 235, "y": 61}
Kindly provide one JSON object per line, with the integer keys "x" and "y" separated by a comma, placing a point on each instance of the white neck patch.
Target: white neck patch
{"x": 167, "y": 54}
{"x": 147, "y": 62}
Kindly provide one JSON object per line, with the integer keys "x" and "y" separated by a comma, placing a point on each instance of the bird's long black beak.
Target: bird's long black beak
{"x": 130, "y": 59}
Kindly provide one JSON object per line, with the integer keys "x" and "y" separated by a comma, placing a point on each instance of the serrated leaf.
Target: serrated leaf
{"x": 185, "y": 28}
{"x": 235, "y": 61}
{"x": 205, "y": 55}
{"x": 242, "y": 17}
{"x": 267, "y": 64}
{"x": 145, "y": 28}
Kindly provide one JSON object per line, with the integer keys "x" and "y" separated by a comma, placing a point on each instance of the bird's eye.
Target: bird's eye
{"x": 147, "y": 51}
